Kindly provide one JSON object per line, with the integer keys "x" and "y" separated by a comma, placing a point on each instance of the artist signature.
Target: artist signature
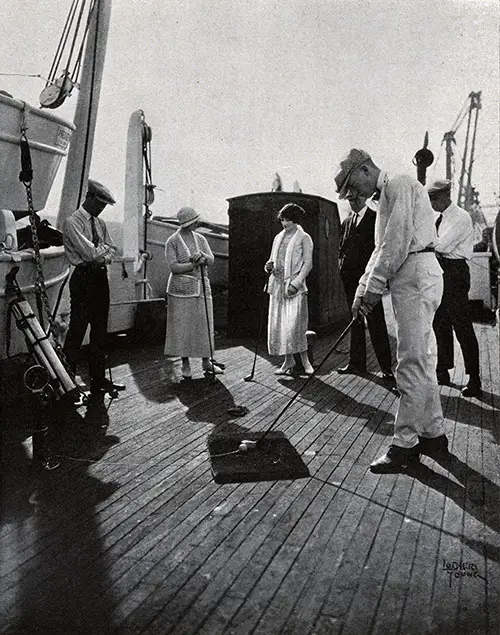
{"x": 456, "y": 569}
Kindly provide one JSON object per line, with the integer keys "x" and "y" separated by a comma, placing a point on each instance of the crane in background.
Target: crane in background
{"x": 484, "y": 266}
{"x": 468, "y": 196}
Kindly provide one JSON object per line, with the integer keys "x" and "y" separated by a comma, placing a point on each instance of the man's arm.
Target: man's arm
{"x": 394, "y": 245}
{"x": 81, "y": 244}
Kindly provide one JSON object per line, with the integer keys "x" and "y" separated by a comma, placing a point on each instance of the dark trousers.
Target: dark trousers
{"x": 453, "y": 314}
{"x": 377, "y": 328}
{"x": 89, "y": 294}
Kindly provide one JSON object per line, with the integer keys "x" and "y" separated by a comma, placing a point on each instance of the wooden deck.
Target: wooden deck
{"x": 132, "y": 535}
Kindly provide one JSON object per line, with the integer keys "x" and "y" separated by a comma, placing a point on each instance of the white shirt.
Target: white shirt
{"x": 77, "y": 238}
{"x": 455, "y": 234}
{"x": 358, "y": 216}
{"x": 405, "y": 223}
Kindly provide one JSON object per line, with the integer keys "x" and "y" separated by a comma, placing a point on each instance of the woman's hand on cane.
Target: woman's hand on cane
{"x": 199, "y": 259}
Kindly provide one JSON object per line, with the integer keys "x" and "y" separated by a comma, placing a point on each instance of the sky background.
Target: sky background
{"x": 235, "y": 90}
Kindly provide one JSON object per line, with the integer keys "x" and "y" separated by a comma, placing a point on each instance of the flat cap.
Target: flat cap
{"x": 187, "y": 216}
{"x": 354, "y": 159}
{"x": 444, "y": 185}
{"x": 101, "y": 192}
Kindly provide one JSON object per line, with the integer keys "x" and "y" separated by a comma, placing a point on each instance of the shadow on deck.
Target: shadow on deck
{"x": 131, "y": 534}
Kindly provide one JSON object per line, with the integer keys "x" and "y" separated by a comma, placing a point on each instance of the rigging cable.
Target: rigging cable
{"x": 62, "y": 42}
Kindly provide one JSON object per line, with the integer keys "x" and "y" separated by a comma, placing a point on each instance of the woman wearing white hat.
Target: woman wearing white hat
{"x": 188, "y": 255}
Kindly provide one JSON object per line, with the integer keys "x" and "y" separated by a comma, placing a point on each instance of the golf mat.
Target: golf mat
{"x": 272, "y": 459}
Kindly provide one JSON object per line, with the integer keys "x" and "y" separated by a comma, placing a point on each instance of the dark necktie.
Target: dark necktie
{"x": 354, "y": 222}
{"x": 95, "y": 235}
{"x": 439, "y": 221}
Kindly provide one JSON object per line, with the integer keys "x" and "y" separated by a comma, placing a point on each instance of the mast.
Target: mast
{"x": 80, "y": 151}
{"x": 449, "y": 139}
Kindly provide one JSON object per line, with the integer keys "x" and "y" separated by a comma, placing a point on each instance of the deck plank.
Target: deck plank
{"x": 132, "y": 535}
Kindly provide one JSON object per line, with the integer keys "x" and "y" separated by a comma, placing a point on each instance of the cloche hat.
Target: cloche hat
{"x": 187, "y": 216}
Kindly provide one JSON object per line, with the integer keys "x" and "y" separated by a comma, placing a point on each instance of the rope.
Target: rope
{"x": 76, "y": 70}
{"x": 25, "y": 75}
{"x": 70, "y": 55}
{"x": 76, "y": 12}
{"x": 62, "y": 42}
{"x": 462, "y": 113}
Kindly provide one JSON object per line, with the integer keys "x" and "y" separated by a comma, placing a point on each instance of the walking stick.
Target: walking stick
{"x": 203, "y": 284}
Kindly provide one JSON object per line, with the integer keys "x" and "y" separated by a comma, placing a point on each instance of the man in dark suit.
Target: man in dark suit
{"x": 357, "y": 241}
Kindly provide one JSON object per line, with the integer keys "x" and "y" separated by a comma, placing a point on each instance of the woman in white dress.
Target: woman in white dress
{"x": 289, "y": 265}
{"x": 188, "y": 256}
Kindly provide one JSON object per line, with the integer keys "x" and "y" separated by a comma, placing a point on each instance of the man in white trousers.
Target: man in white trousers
{"x": 404, "y": 260}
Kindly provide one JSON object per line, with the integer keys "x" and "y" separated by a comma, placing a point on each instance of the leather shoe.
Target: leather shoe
{"x": 395, "y": 460}
{"x": 105, "y": 385}
{"x": 350, "y": 369}
{"x": 473, "y": 389}
{"x": 443, "y": 377}
{"x": 437, "y": 446}
{"x": 388, "y": 377}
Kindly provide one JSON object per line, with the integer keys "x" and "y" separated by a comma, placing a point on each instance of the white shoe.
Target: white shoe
{"x": 308, "y": 369}
{"x": 186, "y": 371}
{"x": 284, "y": 370}
{"x": 212, "y": 370}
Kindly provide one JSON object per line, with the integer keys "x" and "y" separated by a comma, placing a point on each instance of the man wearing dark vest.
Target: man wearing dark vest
{"x": 90, "y": 249}
{"x": 357, "y": 242}
{"x": 454, "y": 247}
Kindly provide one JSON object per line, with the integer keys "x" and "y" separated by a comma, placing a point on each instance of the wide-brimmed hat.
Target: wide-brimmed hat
{"x": 187, "y": 216}
{"x": 354, "y": 159}
{"x": 443, "y": 185}
{"x": 101, "y": 192}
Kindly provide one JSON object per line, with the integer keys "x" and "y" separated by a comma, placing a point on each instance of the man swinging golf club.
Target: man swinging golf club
{"x": 403, "y": 258}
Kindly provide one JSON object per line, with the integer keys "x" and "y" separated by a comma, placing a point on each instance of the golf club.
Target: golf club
{"x": 210, "y": 373}
{"x": 250, "y": 445}
{"x": 259, "y": 333}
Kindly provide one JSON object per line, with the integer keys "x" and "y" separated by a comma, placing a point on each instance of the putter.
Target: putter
{"x": 246, "y": 445}
{"x": 261, "y": 323}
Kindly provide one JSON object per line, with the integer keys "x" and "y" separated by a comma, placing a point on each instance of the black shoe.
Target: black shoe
{"x": 388, "y": 377}
{"x": 473, "y": 389}
{"x": 435, "y": 447}
{"x": 396, "y": 460}
{"x": 443, "y": 377}
{"x": 105, "y": 385}
{"x": 351, "y": 369}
